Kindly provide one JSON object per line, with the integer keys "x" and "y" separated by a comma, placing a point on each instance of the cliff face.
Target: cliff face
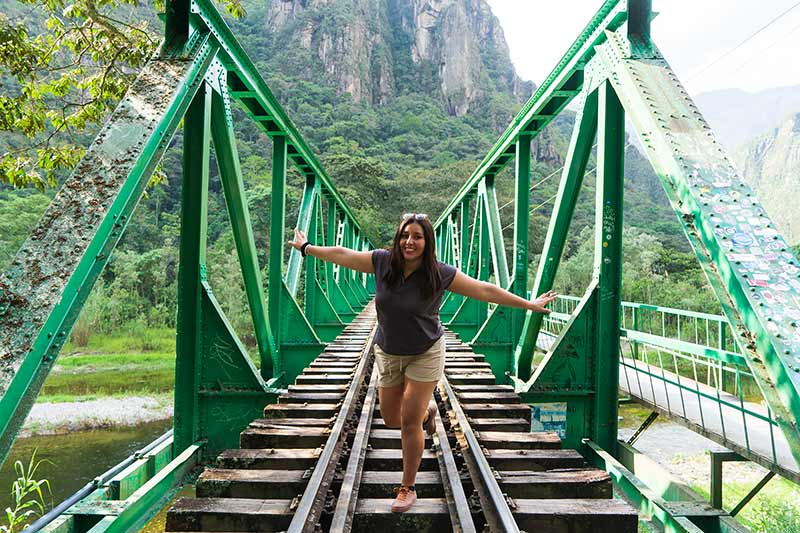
{"x": 376, "y": 49}
{"x": 771, "y": 164}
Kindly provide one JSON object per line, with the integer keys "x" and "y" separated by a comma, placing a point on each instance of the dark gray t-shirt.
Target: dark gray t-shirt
{"x": 408, "y": 323}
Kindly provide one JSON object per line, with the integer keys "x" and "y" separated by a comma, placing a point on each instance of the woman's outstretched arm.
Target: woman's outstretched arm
{"x": 488, "y": 292}
{"x": 360, "y": 261}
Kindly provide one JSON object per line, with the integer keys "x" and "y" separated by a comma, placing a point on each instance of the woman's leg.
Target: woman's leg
{"x": 389, "y": 400}
{"x": 416, "y": 396}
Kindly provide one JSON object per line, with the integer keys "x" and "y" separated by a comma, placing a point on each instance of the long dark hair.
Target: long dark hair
{"x": 430, "y": 266}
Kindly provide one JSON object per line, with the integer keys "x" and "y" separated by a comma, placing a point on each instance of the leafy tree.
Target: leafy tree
{"x": 61, "y": 72}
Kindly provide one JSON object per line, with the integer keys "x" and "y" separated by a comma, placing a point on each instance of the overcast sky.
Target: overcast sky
{"x": 692, "y": 34}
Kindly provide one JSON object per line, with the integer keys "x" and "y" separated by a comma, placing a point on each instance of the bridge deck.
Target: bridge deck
{"x": 719, "y": 416}
{"x": 322, "y": 457}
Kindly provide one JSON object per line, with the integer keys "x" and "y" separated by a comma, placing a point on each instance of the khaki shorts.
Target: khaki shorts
{"x": 426, "y": 367}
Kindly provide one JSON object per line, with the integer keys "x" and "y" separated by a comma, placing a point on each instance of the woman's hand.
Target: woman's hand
{"x": 299, "y": 239}
{"x": 538, "y": 305}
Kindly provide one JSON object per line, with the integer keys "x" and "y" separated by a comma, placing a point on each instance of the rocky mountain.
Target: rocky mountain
{"x": 378, "y": 49}
{"x": 738, "y": 116}
{"x": 771, "y": 164}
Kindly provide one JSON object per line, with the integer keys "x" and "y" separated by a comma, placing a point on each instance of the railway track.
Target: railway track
{"x": 322, "y": 459}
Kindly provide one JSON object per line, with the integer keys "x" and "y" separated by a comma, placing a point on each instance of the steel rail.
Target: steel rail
{"x": 460, "y": 516}
{"x": 494, "y": 503}
{"x": 348, "y": 495}
{"x": 310, "y": 507}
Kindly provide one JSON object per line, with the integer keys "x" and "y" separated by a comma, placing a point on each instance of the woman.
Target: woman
{"x": 409, "y": 343}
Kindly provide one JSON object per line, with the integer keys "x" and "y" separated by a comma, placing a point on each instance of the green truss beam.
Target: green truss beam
{"x": 748, "y": 263}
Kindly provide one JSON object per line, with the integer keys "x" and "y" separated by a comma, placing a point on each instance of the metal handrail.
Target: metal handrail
{"x": 97, "y": 482}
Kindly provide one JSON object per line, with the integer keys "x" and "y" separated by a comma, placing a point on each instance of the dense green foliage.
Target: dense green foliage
{"x": 406, "y": 155}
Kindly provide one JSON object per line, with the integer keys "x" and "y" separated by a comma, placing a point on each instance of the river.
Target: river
{"x": 74, "y": 459}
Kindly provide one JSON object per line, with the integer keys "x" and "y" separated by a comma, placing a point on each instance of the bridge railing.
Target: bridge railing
{"x": 677, "y": 362}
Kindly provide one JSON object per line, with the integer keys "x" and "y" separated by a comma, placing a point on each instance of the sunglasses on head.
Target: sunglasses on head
{"x": 415, "y": 216}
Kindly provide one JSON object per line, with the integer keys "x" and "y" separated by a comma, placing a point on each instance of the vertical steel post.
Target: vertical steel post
{"x": 176, "y": 27}
{"x": 608, "y": 262}
{"x": 639, "y": 16}
{"x": 465, "y": 241}
{"x": 277, "y": 221}
{"x": 191, "y": 268}
{"x": 522, "y": 216}
{"x": 495, "y": 231}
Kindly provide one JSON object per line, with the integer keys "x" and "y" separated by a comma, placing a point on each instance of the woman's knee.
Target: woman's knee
{"x": 410, "y": 420}
{"x": 392, "y": 420}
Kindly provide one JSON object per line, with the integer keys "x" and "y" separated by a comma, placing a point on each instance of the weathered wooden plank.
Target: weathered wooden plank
{"x": 244, "y": 483}
{"x": 511, "y": 440}
{"x": 489, "y": 397}
{"x": 269, "y": 458}
{"x": 228, "y": 514}
{"x": 534, "y": 460}
{"x": 326, "y": 371}
{"x": 482, "y": 388}
{"x": 389, "y": 438}
{"x": 311, "y": 397}
{"x": 471, "y": 379}
{"x": 387, "y": 459}
{"x": 575, "y": 516}
{"x": 497, "y": 410}
{"x": 499, "y": 424}
{"x": 318, "y": 388}
{"x": 323, "y": 379}
{"x": 427, "y": 514}
{"x": 275, "y": 423}
{"x": 300, "y": 410}
{"x": 573, "y": 483}
{"x": 301, "y": 437}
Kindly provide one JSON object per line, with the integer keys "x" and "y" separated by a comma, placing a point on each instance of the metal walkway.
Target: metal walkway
{"x": 741, "y": 426}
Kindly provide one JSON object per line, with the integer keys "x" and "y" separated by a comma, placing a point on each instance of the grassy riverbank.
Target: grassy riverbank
{"x": 113, "y": 366}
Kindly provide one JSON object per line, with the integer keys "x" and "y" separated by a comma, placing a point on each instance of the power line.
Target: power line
{"x": 732, "y": 50}
{"x": 770, "y": 45}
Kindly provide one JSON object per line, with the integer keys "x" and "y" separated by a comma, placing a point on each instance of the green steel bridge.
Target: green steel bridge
{"x": 691, "y": 367}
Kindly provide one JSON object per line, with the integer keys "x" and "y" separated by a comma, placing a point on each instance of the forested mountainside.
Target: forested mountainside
{"x": 771, "y": 164}
{"x": 399, "y": 99}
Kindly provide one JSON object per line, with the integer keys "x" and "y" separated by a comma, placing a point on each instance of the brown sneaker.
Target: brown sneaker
{"x": 406, "y": 496}
{"x": 430, "y": 421}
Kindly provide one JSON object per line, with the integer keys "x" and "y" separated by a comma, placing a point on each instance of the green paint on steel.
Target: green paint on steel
{"x": 277, "y": 225}
{"x": 304, "y": 220}
{"x": 299, "y": 342}
{"x": 491, "y": 213}
{"x": 522, "y": 215}
{"x": 649, "y": 503}
{"x": 236, "y": 201}
{"x": 608, "y": 262}
{"x": 232, "y": 392}
{"x": 748, "y": 263}
{"x": 132, "y": 512}
{"x": 567, "y": 373}
{"x": 194, "y": 219}
{"x": 580, "y": 149}
{"x": 58, "y": 264}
